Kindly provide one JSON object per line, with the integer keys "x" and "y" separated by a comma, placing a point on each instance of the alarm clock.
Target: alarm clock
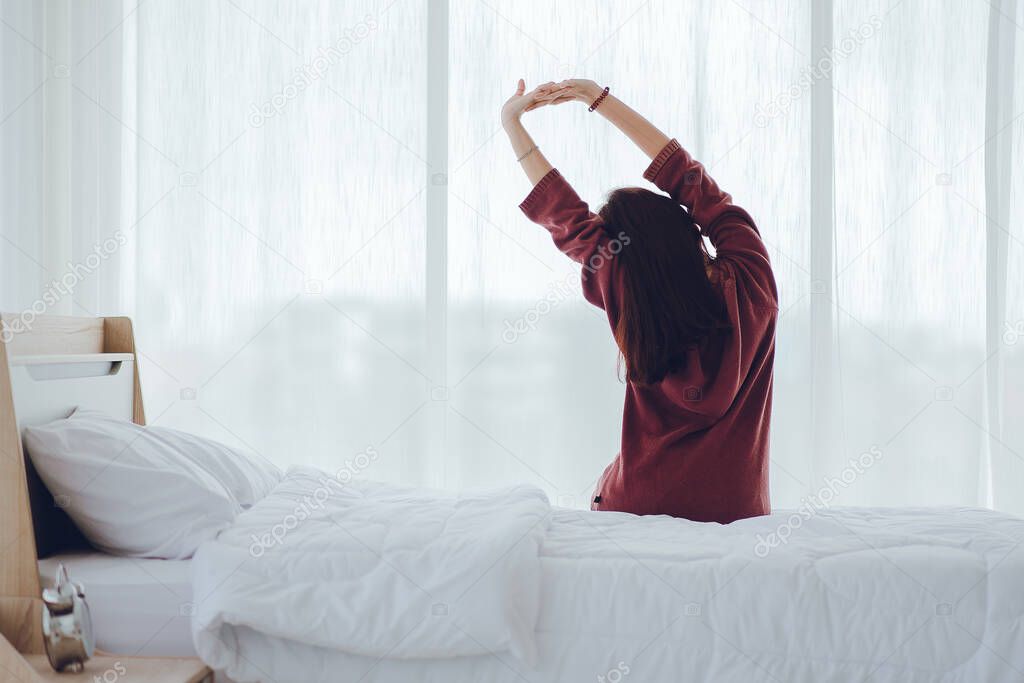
{"x": 67, "y": 626}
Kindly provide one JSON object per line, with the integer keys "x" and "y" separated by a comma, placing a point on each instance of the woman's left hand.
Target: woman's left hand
{"x": 522, "y": 101}
{"x": 571, "y": 90}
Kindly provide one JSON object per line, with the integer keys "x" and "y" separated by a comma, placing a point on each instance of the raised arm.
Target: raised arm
{"x": 575, "y": 229}
{"x": 642, "y": 132}
{"x": 529, "y": 156}
{"x": 691, "y": 187}
{"x": 730, "y": 228}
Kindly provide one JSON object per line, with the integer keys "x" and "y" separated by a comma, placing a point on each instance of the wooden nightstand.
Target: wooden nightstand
{"x": 127, "y": 670}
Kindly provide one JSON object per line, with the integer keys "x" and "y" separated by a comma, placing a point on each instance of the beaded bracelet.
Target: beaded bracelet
{"x": 599, "y": 100}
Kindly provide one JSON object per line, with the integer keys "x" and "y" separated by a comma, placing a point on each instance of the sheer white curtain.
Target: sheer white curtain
{"x": 910, "y": 250}
{"x": 275, "y": 175}
{"x": 920, "y": 270}
{"x": 1004, "y": 212}
{"x": 280, "y": 295}
{"x": 68, "y": 157}
{"x": 25, "y": 67}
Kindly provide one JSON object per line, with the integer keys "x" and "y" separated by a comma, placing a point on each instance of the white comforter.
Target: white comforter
{"x": 922, "y": 595}
{"x": 374, "y": 569}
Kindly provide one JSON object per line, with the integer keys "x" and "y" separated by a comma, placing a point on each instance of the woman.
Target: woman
{"x": 697, "y": 334}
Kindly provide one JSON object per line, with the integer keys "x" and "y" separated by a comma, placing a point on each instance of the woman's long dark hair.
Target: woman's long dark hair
{"x": 668, "y": 304}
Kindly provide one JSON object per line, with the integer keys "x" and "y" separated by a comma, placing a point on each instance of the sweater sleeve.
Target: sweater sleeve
{"x": 580, "y": 234}
{"x": 729, "y": 227}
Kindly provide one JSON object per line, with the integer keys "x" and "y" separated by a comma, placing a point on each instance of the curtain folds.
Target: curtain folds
{"x": 1003, "y": 442}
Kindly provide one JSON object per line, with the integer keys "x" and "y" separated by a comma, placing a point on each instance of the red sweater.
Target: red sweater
{"x": 694, "y": 445}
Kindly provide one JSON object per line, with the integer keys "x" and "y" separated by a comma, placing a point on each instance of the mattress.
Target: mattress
{"x": 138, "y": 606}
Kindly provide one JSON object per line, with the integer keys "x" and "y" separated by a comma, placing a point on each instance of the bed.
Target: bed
{"x": 855, "y": 594}
{"x": 932, "y": 594}
{"x": 903, "y": 595}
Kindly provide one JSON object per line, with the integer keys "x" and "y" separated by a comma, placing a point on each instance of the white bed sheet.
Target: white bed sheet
{"x": 138, "y": 606}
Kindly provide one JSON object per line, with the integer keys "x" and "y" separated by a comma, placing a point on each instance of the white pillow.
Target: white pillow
{"x": 139, "y": 491}
{"x": 247, "y": 478}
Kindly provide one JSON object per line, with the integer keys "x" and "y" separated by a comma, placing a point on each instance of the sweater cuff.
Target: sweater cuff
{"x": 538, "y": 190}
{"x": 670, "y": 148}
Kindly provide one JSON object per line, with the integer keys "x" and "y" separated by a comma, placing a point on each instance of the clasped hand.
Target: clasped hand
{"x": 571, "y": 90}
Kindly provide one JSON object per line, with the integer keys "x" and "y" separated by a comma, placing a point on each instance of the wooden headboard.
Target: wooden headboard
{"x": 20, "y": 603}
